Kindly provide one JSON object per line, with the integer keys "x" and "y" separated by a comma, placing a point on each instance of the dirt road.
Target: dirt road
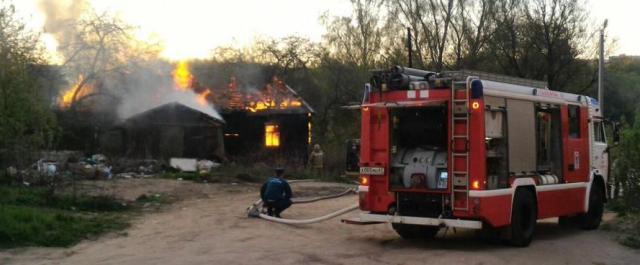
{"x": 209, "y": 226}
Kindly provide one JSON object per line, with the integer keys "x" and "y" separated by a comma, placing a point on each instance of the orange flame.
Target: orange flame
{"x": 202, "y": 97}
{"x": 270, "y": 104}
{"x": 182, "y": 77}
{"x": 66, "y": 99}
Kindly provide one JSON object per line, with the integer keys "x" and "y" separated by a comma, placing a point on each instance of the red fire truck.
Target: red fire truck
{"x": 480, "y": 151}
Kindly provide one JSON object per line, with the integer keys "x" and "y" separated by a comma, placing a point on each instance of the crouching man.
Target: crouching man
{"x": 276, "y": 194}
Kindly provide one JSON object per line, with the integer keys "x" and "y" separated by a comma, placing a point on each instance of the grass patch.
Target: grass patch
{"x": 628, "y": 225}
{"x": 31, "y": 216}
{"x": 40, "y": 197}
{"x": 29, "y": 226}
{"x": 155, "y": 198}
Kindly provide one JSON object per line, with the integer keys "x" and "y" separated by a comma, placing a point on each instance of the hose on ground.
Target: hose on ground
{"x": 312, "y": 220}
{"x": 254, "y": 210}
{"x": 308, "y": 200}
{"x": 301, "y": 180}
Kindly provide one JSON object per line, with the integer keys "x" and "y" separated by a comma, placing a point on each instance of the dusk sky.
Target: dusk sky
{"x": 192, "y": 28}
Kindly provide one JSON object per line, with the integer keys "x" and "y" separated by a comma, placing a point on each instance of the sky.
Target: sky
{"x": 193, "y": 28}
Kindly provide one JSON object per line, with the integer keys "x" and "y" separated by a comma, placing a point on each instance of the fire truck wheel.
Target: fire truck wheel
{"x": 415, "y": 231}
{"x": 523, "y": 219}
{"x": 591, "y": 219}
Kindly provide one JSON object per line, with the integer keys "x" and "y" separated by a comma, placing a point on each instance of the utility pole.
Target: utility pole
{"x": 601, "y": 68}
{"x": 409, "y": 47}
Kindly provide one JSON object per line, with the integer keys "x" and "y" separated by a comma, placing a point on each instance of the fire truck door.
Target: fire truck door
{"x": 599, "y": 153}
{"x": 576, "y": 144}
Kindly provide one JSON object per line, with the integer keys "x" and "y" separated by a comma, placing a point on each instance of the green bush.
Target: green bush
{"x": 627, "y": 166}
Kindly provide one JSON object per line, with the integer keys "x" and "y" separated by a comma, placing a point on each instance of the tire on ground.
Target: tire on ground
{"x": 592, "y": 218}
{"x": 523, "y": 219}
{"x": 408, "y": 231}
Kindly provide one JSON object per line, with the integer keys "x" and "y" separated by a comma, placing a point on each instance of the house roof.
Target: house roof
{"x": 174, "y": 113}
{"x": 273, "y": 98}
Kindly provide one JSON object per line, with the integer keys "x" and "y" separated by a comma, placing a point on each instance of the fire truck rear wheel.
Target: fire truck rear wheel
{"x": 523, "y": 219}
{"x": 592, "y": 218}
{"x": 407, "y": 231}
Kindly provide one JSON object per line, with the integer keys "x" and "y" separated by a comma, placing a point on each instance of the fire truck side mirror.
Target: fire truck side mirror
{"x": 614, "y": 128}
{"x": 616, "y": 133}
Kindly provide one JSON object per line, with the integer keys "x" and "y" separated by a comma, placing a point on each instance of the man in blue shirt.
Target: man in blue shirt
{"x": 276, "y": 194}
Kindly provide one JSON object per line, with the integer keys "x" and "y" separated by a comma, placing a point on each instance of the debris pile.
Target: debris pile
{"x": 54, "y": 166}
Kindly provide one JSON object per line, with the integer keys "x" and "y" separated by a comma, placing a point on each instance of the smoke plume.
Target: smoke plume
{"x": 59, "y": 17}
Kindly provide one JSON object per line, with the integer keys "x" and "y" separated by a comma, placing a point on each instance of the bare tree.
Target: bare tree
{"x": 102, "y": 50}
{"x": 431, "y": 21}
{"x": 288, "y": 53}
{"x": 356, "y": 39}
{"x": 556, "y": 29}
{"x": 471, "y": 26}
{"x": 540, "y": 39}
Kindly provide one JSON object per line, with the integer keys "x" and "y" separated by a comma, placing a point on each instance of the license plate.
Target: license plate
{"x": 372, "y": 171}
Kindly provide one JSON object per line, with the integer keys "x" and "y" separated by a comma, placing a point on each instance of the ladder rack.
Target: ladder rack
{"x": 459, "y": 130}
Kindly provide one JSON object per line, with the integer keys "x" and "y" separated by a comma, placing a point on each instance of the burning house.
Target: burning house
{"x": 272, "y": 122}
{"x": 170, "y": 130}
{"x": 234, "y": 121}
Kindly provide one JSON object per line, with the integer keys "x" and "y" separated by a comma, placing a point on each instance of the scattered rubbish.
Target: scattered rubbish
{"x": 184, "y": 164}
{"x": 97, "y": 159}
{"x": 47, "y": 168}
{"x": 125, "y": 175}
{"x": 12, "y": 171}
{"x": 103, "y": 171}
{"x": 205, "y": 166}
{"x": 62, "y": 157}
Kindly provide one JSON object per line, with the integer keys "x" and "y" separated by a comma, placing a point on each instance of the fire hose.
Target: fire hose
{"x": 254, "y": 210}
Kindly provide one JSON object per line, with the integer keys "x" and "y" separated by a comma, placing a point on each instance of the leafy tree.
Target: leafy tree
{"x": 622, "y": 87}
{"x": 26, "y": 124}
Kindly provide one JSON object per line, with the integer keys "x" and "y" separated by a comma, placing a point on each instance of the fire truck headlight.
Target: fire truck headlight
{"x": 475, "y": 105}
{"x": 475, "y": 185}
{"x": 364, "y": 181}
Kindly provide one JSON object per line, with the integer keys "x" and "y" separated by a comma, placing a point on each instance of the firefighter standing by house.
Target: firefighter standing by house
{"x": 316, "y": 160}
{"x": 276, "y": 194}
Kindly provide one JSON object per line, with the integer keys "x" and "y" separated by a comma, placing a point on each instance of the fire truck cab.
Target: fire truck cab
{"x": 480, "y": 151}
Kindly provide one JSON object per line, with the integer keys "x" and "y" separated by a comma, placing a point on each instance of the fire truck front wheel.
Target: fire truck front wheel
{"x": 592, "y": 218}
{"x": 523, "y": 219}
{"x": 407, "y": 231}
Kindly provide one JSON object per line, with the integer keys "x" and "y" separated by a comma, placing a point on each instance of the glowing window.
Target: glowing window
{"x": 271, "y": 135}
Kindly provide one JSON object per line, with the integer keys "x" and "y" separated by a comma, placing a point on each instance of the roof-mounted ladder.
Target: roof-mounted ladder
{"x": 459, "y": 149}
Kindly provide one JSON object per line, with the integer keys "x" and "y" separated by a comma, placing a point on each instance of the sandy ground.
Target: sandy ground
{"x": 209, "y": 226}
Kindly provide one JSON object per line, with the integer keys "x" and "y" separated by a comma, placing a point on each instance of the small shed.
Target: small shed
{"x": 169, "y": 130}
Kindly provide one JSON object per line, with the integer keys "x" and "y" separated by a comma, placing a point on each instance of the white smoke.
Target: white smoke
{"x": 143, "y": 88}
{"x": 131, "y": 107}
{"x": 60, "y": 16}
{"x": 153, "y": 86}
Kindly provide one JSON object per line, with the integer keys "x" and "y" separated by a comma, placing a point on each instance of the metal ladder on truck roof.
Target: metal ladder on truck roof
{"x": 459, "y": 129}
